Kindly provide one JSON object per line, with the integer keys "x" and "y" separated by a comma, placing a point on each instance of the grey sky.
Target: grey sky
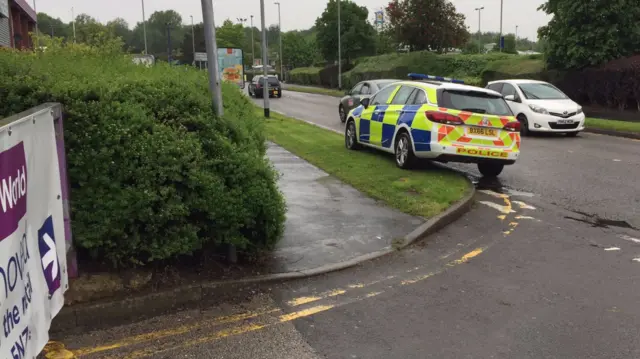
{"x": 296, "y": 14}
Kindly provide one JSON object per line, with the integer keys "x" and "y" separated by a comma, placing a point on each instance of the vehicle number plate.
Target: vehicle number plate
{"x": 483, "y": 131}
{"x": 275, "y": 92}
{"x": 565, "y": 122}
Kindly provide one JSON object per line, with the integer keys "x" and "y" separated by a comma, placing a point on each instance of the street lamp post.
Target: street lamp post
{"x": 169, "y": 49}
{"x": 144, "y": 28}
{"x": 516, "y": 37}
{"x": 280, "y": 31}
{"x": 479, "y": 10}
{"x": 500, "y": 38}
{"x": 212, "y": 56}
{"x": 193, "y": 41}
{"x": 73, "y": 24}
{"x": 265, "y": 60}
{"x": 339, "y": 51}
{"x": 253, "y": 45}
{"x": 37, "y": 34}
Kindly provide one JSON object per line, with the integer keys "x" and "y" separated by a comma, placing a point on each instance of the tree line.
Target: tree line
{"x": 410, "y": 25}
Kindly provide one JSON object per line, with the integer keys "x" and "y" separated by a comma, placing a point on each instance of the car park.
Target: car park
{"x": 541, "y": 107}
{"x": 361, "y": 90}
{"x": 257, "y": 85}
{"x": 439, "y": 119}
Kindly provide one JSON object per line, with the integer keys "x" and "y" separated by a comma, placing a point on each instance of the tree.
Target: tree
{"x": 427, "y": 24}
{"x": 157, "y": 34}
{"x": 230, "y": 35}
{"x": 298, "y": 51}
{"x": 119, "y": 27}
{"x": 357, "y": 34}
{"x": 88, "y": 29}
{"x": 590, "y": 33}
{"x": 49, "y": 25}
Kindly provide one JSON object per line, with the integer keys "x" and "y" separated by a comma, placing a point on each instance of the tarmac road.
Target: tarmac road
{"x": 593, "y": 175}
{"x": 508, "y": 280}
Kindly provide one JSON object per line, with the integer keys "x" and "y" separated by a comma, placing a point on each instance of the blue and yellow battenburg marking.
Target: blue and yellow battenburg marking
{"x": 378, "y": 127}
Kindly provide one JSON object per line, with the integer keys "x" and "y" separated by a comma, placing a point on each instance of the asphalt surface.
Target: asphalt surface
{"x": 590, "y": 174}
{"x": 522, "y": 275}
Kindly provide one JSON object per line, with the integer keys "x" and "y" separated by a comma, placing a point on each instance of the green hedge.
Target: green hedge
{"x": 309, "y": 76}
{"x": 153, "y": 173}
{"x": 397, "y": 65}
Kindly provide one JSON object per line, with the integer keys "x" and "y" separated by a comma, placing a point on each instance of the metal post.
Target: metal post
{"x": 37, "y": 32}
{"x": 339, "y": 51}
{"x": 265, "y": 60}
{"x": 193, "y": 40}
{"x": 212, "y": 56}
{"x": 169, "y": 43}
{"x": 479, "y": 10}
{"x": 52, "y": 34}
{"x": 500, "y": 38}
{"x": 253, "y": 45}
{"x": 280, "y": 31}
{"x": 144, "y": 29}
{"x": 516, "y": 37}
{"x": 73, "y": 23}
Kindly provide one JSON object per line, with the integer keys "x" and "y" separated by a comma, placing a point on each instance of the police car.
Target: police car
{"x": 440, "y": 119}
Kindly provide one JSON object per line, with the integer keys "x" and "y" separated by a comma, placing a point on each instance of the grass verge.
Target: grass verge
{"x": 316, "y": 90}
{"x": 622, "y": 126}
{"x": 420, "y": 192}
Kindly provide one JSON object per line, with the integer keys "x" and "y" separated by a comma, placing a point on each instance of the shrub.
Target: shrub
{"x": 309, "y": 76}
{"x": 154, "y": 174}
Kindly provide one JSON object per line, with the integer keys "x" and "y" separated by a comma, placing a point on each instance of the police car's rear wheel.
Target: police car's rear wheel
{"x": 343, "y": 115}
{"x": 350, "y": 140}
{"x": 490, "y": 169}
{"x": 405, "y": 157}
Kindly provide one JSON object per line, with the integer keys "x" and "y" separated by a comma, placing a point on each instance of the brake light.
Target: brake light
{"x": 513, "y": 126}
{"x": 444, "y": 118}
{"x": 258, "y": 85}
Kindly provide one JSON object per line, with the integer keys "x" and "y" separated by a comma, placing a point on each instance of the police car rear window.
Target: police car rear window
{"x": 474, "y": 101}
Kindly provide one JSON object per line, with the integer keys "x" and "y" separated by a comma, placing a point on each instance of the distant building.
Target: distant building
{"x": 17, "y": 20}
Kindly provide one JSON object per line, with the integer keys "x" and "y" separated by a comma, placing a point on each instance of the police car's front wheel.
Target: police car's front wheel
{"x": 490, "y": 170}
{"x": 405, "y": 158}
{"x": 350, "y": 139}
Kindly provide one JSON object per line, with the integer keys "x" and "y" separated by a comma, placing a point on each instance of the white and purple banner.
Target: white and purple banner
{"x": 33, "y": 275}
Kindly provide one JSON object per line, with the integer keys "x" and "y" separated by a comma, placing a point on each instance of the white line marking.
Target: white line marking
{"x": 612, "y": 249}
{"x": 616, "y": 160}
{"x": 502, "y": 209}
{"x": 524, "y": 217}
{"x": 636, "y": 259}
{"x": 523, "y": 205}
{"x": 631, "y": 239}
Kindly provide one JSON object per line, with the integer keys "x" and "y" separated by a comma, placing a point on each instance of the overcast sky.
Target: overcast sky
{"x": 296, "y": 14}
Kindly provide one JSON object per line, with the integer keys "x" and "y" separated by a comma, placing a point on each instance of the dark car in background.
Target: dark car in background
{"x": 358, "y": 92}
{"x": 257, "y": 85}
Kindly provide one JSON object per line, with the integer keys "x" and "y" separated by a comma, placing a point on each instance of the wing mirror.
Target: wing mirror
{"x": 365, "y": 102}
{"x": 511, "y": 98}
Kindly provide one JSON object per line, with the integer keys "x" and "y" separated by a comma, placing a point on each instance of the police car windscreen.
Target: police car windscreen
{"x": 474, "y": 101}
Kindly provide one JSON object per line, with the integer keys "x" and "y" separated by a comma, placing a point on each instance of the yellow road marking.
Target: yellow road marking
{"x": 304, "y": 300}
{"x": 245, "y": 328}
{"x": 172, "y": 332}
{"x": 502, "y": 217}
{"x": 57, "y": 350}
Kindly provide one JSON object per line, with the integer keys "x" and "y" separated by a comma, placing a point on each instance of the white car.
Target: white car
{"x": 540, "y": 106}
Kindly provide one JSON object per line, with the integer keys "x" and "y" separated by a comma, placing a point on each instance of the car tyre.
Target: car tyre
{"x": 490, "y": 170}
{"x": 524, "y": 125}
{"x": 343, "y": 115}
{"x": 351, "y": 136}
{"x": 405, "y": 158}
{"x": 573, "y": 134}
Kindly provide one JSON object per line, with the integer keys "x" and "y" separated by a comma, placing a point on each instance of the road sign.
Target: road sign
{"x": 379, "y": 17}
{"x": 200, "y": 56}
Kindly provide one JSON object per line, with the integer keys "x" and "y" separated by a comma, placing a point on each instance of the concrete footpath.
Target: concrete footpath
{"x": 329, "y": 222}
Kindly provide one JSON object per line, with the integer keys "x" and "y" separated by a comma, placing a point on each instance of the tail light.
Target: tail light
{"x": 513, "y": 126}
{"x": 444, "y": 118}
{"x": 258, "y": 85}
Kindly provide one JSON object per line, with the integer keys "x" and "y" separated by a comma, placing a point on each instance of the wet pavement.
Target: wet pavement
{"x": 329, "y": 222}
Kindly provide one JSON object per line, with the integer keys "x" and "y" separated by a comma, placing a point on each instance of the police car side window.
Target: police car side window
{"x": 403, "y": 95}
{"x": 418, "y": 97}
{"x": 383, "y": 95}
